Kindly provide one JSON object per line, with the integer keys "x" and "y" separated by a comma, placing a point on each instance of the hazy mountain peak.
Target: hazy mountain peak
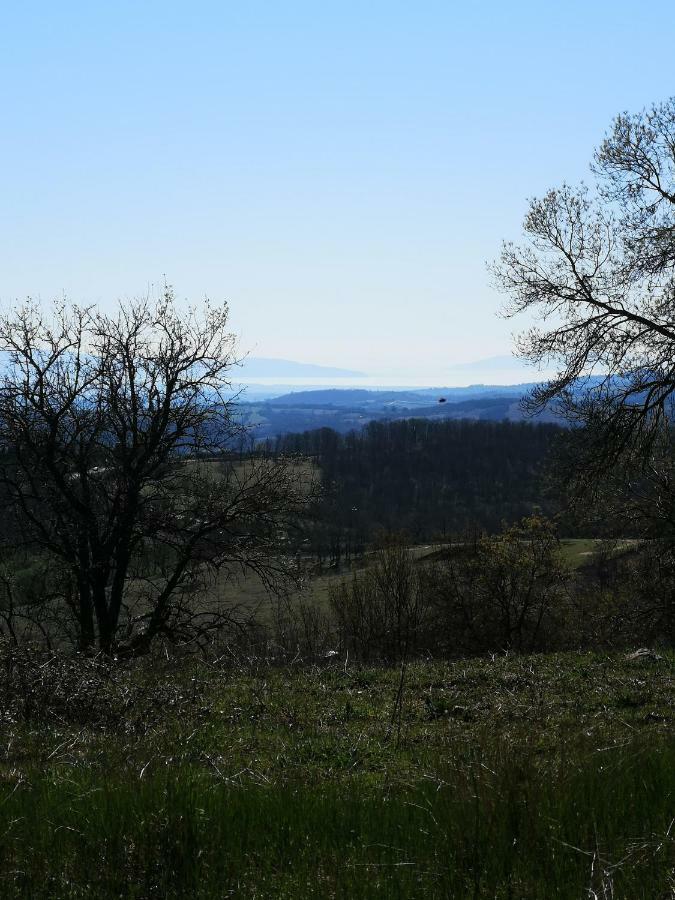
{"x": 268, "y": 367}
{"x": 503, "y": 362}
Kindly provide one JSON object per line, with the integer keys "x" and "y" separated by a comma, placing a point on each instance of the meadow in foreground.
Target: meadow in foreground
{"x": 523, "y": 777}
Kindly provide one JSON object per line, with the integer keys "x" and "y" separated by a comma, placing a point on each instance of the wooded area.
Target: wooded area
{"x": 427, "y": 480}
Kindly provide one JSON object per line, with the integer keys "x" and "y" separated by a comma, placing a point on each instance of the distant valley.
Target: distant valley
{"x": 350, "y": 409}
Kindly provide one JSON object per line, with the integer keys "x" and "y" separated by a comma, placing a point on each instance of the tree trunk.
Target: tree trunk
{"x": 85, "y": 611}
{"x": 106, "y": 626}
{"x": 85, "y": 616}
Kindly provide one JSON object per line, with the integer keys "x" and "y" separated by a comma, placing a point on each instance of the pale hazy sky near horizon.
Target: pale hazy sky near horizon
{"x": 339, "y": 172}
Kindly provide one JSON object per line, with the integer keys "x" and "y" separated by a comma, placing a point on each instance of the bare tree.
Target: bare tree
{"x": 598, "y": 270}
{"x": 114, "y": 433}
{"x": 382, "y": 613}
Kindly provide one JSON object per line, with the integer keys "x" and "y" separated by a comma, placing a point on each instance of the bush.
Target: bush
{"x": 383, "y": 613}
{"x": 503, "y": 592}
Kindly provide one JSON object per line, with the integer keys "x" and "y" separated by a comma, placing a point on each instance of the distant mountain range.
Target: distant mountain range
{"x": 265, "y": 367}
{"x": 503, "y": 363}
{"x": 502, "y": 369}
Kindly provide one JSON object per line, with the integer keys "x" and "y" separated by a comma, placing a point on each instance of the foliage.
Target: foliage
{"x": 520, "y": 590}
{"x": 626, "y": 594}
{"x": 429, "y": 479}
{"x": 501, "y": 592}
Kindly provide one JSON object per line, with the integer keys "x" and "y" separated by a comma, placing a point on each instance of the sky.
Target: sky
{"x": 339, "y": 173}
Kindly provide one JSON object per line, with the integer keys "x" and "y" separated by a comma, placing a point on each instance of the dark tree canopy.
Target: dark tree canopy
{"x": 598, "y": 272}
{"x": 105, "y": 424}
{"x": 431, "y": 479}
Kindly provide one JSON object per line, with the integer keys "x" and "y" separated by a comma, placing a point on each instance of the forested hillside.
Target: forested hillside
{"x": 429, "y": 479}
{"x": 348, "y": 410}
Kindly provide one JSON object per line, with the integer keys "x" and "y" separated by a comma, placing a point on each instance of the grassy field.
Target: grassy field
{"x": 531, "y": 777}
{"x": 247, "y": 593}
{"x": 577, "y": 552}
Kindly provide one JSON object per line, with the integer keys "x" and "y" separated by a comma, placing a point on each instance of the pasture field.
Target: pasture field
{"x": 246, "y": 593}
{"x": 577, "y": 552}
{"x": 507, "y": 777}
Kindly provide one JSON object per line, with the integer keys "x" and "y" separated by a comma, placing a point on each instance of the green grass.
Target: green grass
{"x": 531, "y": 777}
{"x": 485, "y": 825}
{"x": 246, "y": 595}
{"x": 577, "y": 552}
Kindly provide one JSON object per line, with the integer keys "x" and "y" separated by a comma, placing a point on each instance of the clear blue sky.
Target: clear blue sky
{"x": 339, "y": 172}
